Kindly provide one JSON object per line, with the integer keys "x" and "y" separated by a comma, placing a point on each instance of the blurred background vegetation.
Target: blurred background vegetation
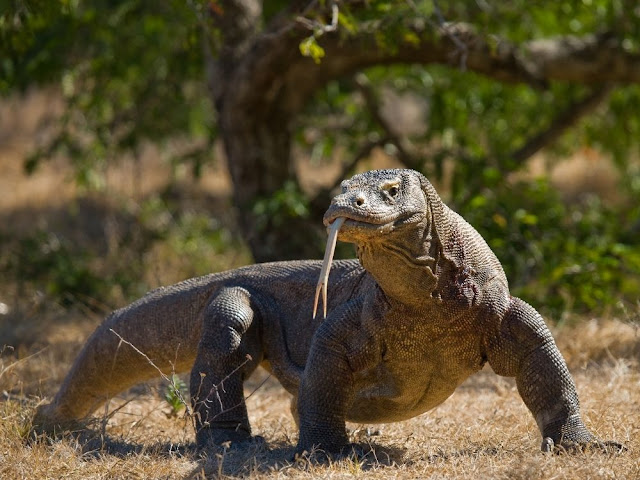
{"x": 144, "y": 142}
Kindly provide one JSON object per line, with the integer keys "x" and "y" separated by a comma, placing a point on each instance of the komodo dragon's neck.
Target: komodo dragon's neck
{"x": 405, "y": 264}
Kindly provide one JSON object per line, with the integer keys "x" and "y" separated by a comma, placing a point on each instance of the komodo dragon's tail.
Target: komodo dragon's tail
{"x": 158, "y": 332}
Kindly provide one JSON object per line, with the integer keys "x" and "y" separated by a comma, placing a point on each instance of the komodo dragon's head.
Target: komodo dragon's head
{"x": 376, "y": 206}
{"x": 377, "y": 203}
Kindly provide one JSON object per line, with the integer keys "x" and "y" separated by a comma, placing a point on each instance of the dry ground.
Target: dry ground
{"x": 482, "y": 431}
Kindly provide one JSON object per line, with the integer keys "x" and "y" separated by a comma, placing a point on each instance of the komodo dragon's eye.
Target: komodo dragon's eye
{"x": 390, "y": 189}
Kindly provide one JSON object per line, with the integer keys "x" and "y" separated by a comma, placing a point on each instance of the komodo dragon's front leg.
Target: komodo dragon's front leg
{"x": 229, "y": 350}
{"x": 524, "y": 348}
{"x": 327, "y": 387}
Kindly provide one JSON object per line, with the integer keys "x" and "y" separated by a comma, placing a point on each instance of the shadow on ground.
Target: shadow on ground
{"x": 260, "y": 457}
{"x": 234, "y": 460}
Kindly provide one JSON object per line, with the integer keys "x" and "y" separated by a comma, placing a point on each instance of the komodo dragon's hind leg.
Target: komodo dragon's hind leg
{"x": 228, "y": 352}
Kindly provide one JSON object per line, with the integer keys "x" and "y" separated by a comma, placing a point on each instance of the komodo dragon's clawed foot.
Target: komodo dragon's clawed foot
{"x": 594, "y": 445}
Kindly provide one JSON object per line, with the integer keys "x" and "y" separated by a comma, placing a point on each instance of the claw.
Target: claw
{"x": 323, "y": 280}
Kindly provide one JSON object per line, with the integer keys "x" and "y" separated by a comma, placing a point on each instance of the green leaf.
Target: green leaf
{"x": 309, "y": 48}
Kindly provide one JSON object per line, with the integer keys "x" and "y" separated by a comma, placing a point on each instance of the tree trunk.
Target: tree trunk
{"x": 258, "y": 150}
{"x": 256, "y": 108}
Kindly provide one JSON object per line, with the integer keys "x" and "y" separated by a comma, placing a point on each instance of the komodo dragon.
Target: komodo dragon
{"x": 426, "y": 306}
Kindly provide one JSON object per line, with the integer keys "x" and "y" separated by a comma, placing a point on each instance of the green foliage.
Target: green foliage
{"x": 309, "y": 48}
{"x": 194, "y": 239}
{"x": 280, "y": 208}
{"x": 51, "y": 262}
{"x": 161, "y": 240}
{"x": 578, "y": 258}
{"x": 130, "y": 73}
{"x": 175, "y": 394}
{"x": 615, "y": 129}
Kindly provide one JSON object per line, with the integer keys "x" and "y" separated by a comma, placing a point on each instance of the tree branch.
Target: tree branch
{"x": 592, "y": 59}
{"x": 561, "y": 124}
{"x": 461, "y": 46}
{"x": 278, "y": 71}
{"x": 401, "y": 142}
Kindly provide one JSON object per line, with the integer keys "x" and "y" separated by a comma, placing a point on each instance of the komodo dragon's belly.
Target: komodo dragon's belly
{"x": 414, "y": 377}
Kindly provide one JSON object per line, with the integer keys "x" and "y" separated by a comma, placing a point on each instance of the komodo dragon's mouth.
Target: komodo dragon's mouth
{"x": 334, "y": 224}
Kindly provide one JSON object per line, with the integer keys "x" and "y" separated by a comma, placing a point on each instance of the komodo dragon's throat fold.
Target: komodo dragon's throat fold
{"x": 323, "y": 280}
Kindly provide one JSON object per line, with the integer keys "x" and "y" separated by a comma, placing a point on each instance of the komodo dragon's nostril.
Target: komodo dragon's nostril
{"x": 359, "y": 200}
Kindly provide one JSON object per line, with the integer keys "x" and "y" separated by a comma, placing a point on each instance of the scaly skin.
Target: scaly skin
{"x": 426, "y": 306}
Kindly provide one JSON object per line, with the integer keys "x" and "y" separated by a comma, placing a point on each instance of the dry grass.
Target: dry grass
{"x": 482, "y": 431}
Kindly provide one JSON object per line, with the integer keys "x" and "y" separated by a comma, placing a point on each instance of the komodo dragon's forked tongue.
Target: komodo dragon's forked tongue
{"x": 323, "y": 280}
